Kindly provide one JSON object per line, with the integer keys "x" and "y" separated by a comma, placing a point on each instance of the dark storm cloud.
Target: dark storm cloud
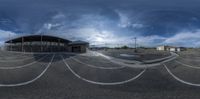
{"x": 32, "y": 14}
{"x": 124, "y": 18}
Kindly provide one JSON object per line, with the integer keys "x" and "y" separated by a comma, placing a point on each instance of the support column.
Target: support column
{"x": 51, "y": 46}
{"x": 41, "y": 42}
{"x": 59, "y": 45}
{"x": 31, "y": 46}
{"x": 11, "y": 46}
{"x": 22, "y": 44}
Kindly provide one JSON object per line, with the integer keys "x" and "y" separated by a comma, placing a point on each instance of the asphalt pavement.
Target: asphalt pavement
{"x": 59, "y": 82}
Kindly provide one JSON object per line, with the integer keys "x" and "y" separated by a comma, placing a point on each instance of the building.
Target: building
{"x": 170, "y": 48}
{"x": 45, "y": 43}
{"x": 78, "y": 46}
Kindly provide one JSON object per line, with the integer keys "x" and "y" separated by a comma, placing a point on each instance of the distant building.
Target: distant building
{"x": 45, "y": 43}
{"x": 78, "y": 46}
{"x": 170, "y": 48}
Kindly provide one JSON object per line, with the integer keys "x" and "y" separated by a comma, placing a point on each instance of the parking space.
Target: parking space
{"x": 140, "y": 55}
{"x": 95, "y": 61}
{"x": 83, "y": 77}
{"x": 14, "y": 76}
{"x": 20, "y": 61}
{"x": 105, "y": 76}
{"x": 185, "y": 73}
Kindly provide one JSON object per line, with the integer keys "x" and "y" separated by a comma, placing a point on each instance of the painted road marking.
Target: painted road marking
{"x": 93, "y": 66}
{"x": 30, "y": 81}
{"x": 180, "y": 80}
{"x": 195, "y": 67}
{"x": 101, "y": 83}
{"x": 23, "y": 66}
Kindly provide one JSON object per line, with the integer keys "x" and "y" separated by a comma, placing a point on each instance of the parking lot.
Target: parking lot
{"x": 88, "y": 76}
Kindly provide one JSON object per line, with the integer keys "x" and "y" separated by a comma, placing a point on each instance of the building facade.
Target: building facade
{"x": 45, "y": 43}
{"x": 170, "y": 48}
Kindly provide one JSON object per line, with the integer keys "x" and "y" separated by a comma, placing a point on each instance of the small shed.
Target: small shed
{"x": 78, "y": 46}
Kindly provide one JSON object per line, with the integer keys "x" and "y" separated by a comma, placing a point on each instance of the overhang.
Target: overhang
{"x": 35, "y": 38}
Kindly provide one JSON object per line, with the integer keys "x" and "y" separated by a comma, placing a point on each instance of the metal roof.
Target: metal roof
{"x": 32, "y": 38}
{"x": 78, "y": 43}
{"x": 169, "y": 46}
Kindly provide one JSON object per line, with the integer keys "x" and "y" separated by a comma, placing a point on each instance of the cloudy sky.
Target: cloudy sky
{"x": 105, "y": 22}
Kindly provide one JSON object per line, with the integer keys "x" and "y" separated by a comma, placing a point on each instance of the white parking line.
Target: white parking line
{"x": 180, "y": 80}
{"x": 137, "y": 65}
{"x": 101, "y": 83}
{"x": 30, "y": 81}
{"x": 187, "y": 65}
{"x": 93, "y": 66}
{"x": 13, "y": 60}
{"x": 183, "y": 57}
{"x": 39, "y": 53}
{"x": 10, "y": 55}
{"x": 22, "y": 66}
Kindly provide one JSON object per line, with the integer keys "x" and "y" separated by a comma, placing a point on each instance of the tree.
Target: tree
{"x": 124, "y": 47}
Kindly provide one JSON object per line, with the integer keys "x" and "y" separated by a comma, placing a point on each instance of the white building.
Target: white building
{"x": 170, "y": 48}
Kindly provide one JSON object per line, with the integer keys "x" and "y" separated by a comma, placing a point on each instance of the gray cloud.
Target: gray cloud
{"x": 122, "y": 18}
